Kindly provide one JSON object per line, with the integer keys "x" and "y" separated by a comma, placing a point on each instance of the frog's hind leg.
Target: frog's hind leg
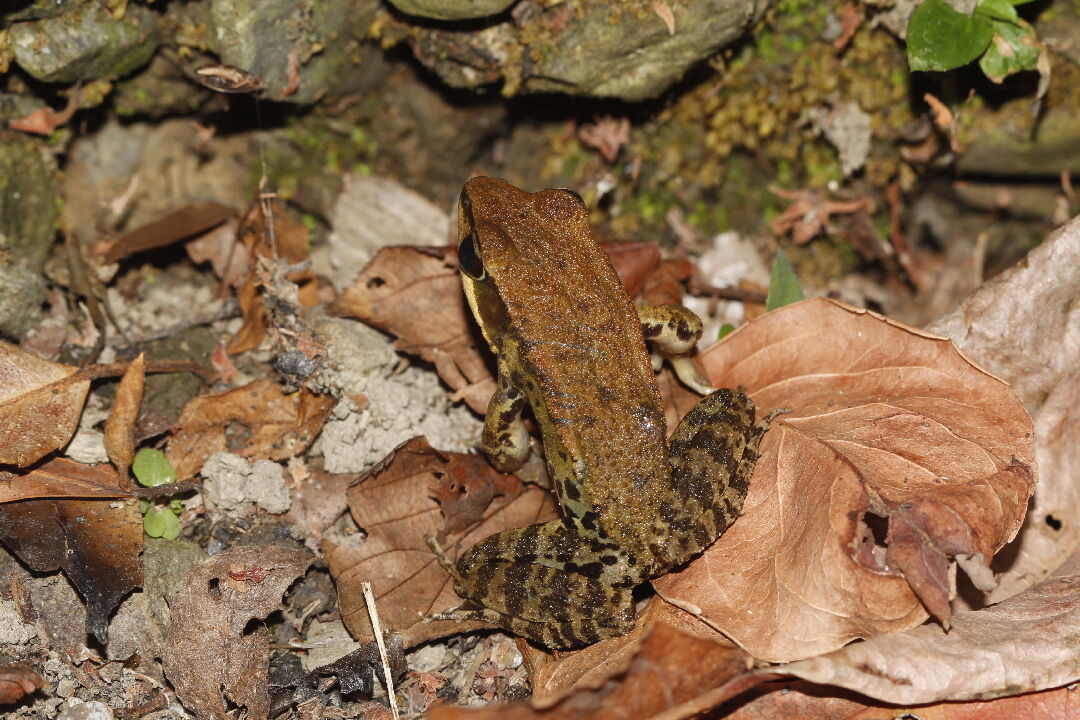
{"x": 712, "y": 454}
{"x": 534, "y": 582}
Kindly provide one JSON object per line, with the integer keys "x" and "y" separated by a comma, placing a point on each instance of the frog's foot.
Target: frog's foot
{"x": 441, "y": 557}
{"x": 674, "y": 331}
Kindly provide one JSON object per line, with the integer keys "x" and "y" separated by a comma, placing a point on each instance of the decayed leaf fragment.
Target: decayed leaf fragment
{"x": 1024, "y": 643}
{"x": 96, "y": 542}
{"x": 39, "y": 405}
{"x": 1023, "y": 326}
{"x": 17, "y": 681}
{"x": 394, "y": 502}
{"x": 890, "y": 426}
{"x": 278, "y": 425}
{"x": 210, "y": 653}
{"x": 120, "y": 425}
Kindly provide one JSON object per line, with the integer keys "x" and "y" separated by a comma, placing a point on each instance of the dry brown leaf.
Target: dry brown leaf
{"x": 1023, "y": 326}
{"x": 415, "y": 293}
{"x": 95, "y": 542}
{"x": 635, "y": 264}
{"x": 39, "y": 406}
{"x": 188, "y": 221}
{"x": 889, "y": 426}
{"x": 58, "y": 478}
{"x": 212, "y": 655}
{"x": 1025, "y": 643}
{"x": 275, "y": 426}
{"x": 226, "y": 254}
{"x": 670, "y": 667}
{"x": 394, "y": 503}
{"x": 16, "y": 682}
{"x": 120, "y": 425}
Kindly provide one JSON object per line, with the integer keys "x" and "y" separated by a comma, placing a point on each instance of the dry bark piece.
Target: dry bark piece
{"x": 120, "y": 425}
{"x": 95, "y": 542}
{"x": 393, "y": 503}
{"x": 40, "y": 405}
{"x": 276, "y": 426}
{"x": 1025, "y": 643}
{"x": 16, "y": 682}
{"x": 58, "y": 478}
{"x": 670, "y": 667}
{"x": 889, "y": 426}
{"x": 213, "y": 654}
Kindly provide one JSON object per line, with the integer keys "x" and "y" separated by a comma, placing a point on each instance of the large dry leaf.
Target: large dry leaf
{"x": 39, "y": 406}
{"x": 670, "y": 667}
{"x": 415, "y": 294}
{"x": 188, "y": 221}
{"x": 213, "y": 653}
{"x": 59, "y": 478}
{"x": 889, "y": 426}
{"x": 395, "y": 503}
{"x": 120, "y": 425}
{"x": 275, "y": 426}
{"x": 95, "y": 542}
{"x": 1024, "y": 326}
{"x": 1027, "y": 642}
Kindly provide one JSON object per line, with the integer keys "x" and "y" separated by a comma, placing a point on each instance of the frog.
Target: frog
{"x": 570, "y": 344}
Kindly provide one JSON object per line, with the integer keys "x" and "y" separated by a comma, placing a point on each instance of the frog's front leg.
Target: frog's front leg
{"x": 505, "y": 439}
{"x": 548, "y": 582}
{"x": 674, "y": 331}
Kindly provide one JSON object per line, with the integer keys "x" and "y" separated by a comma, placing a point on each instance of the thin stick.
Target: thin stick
{"x": 369, "y": 599}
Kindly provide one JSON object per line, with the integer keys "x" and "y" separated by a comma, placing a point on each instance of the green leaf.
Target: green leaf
{"x": 998, "y": 10}
{"x": 161, "y": 522}
{"x": 1015, "y": 48}
{"x": 939, "y": 38}
{"x": 725, "y": 330}
{"x": 784, "y": 287}
{"x": 152, "y": 468}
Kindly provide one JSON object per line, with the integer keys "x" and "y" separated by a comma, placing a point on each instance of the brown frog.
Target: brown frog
{"x": 571, "y": 344}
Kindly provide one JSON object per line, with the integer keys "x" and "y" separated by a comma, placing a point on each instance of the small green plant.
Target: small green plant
{"x": 160, "y": 516}
{"x": 940, "y": 38}
{"x": 784, "y": 287}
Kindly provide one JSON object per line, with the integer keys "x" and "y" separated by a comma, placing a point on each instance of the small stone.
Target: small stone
{"x": 92, "y": 710}
{"x": 66, "y": 688}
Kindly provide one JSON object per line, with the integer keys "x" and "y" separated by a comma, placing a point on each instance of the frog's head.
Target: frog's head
{"x": 515, "y": 247}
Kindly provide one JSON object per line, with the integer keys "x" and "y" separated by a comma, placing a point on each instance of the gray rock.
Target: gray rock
{"x": 22, "y": 292}
{"x": 85, "y": 44}
{"x": 301, "y": 51}
{"x": 588, "y": 48}
{"x": 452, "y": 9}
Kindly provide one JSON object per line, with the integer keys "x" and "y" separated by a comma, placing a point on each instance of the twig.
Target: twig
{"x": 107, "y": 370}
{"x": 369, "y": 599}
{"x": 166, "y": 489}
{"x": 697, "y": 287}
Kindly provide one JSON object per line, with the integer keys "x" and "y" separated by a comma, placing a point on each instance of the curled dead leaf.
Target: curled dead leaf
{"x": 40, "y": 405}
{"x": 120, "y": 425}
{"x": 899, "y": 454}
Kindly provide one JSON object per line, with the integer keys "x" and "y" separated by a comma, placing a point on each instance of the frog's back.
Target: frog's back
{"x": 582, "y": 362}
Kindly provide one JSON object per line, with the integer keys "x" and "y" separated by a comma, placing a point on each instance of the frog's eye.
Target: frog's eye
{"x": 469, "y": 258}
{"x": 575, "y": 195}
